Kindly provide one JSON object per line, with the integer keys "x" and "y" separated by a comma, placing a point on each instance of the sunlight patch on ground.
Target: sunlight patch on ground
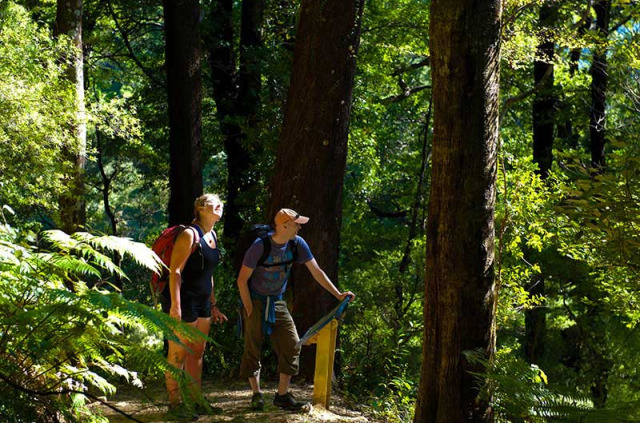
{"x": 150, "y": 406}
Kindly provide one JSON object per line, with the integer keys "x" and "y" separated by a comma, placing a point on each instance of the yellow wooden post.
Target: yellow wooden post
{"x": 325, "y": 353}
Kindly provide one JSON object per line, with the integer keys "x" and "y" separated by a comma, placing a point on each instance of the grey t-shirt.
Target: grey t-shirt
{"x": 272, "y": 280}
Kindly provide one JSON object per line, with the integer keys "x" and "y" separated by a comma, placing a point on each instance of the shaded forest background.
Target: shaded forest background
{"x": 113, "y": 123}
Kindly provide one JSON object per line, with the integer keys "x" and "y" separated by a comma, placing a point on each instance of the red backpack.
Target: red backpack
{"x": 163, "y": 247}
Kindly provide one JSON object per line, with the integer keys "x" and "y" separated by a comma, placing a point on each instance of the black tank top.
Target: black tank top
{"x": 197, "y": 272}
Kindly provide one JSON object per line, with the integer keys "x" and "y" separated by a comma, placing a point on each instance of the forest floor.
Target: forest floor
{"x": 234, "y": 399}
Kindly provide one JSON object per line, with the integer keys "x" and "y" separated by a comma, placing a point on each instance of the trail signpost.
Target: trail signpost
{"x": 324, "y": 334}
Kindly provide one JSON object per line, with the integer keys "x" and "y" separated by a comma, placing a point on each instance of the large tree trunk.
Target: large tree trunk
{"x": 544, "y": 112}
{"x": 599, "y": 69}
{"x": 312, "y": 152}
{"x": 237, "y": 96}
{"x": 460, "y": 295}
{"x": 184, "y": 88}
{"x": 72, "y": 203}
{"x": 241, "y": 143}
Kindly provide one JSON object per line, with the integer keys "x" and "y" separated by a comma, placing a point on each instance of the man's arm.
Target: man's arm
{"x": 324, "y": 281}
{"x": 243, "y": 287}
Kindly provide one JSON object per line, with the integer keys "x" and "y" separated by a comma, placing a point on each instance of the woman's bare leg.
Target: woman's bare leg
{"x": 193, "y": 361}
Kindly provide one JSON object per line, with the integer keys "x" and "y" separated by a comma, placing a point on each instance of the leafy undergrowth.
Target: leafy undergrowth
{"x": 233, "y": 398}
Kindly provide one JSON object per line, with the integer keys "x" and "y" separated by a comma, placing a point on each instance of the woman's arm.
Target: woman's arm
{"x": 179, "y": 256}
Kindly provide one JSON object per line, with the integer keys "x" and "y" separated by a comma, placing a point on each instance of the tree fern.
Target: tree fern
{"x": 520, "y": 392}
{"x": 58, "y": 347}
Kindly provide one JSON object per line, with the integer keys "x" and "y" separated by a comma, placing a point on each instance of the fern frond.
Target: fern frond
{"x": 54, "y": 340}
{"x": 89, "y": 253}
{"x": 520, "y": 392}
{"x": 59, "y": 240}
{"x": 69, "y": 264}
{"x": 139, "y": 252}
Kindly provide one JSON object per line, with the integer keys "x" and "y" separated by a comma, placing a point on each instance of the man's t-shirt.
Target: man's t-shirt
{"x": 272, "y": 280}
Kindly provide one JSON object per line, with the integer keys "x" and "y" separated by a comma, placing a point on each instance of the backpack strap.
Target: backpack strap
{"x": 196, "y": 238}
{"x": 292, "y": 245}
{"x": 294, "y": 248}
{"x": 266, "y": 250}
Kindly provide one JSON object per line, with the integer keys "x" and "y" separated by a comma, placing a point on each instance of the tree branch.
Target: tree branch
{"x": 397, "y": 214}
{"x": 424, "y": 62}
{"x": 418, "y": 199}
{"x": 515, "y": 99}
{"x": 135, "y": 59}
{"x": 406, "y": 93}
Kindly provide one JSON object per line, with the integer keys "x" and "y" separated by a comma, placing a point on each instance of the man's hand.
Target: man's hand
{"x": 249, "y": 309}
{"x": 343, "y": 295}
{"x": 217, "y": 316}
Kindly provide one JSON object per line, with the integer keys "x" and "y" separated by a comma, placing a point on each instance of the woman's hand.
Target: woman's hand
{"x": 217, "y": 316}
{"x": 175, "y": 312}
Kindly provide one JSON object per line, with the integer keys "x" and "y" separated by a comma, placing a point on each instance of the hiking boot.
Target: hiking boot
{"x": 288, "y": 402}
{"x": 206, "y": 409}
{"x": 181, "y": 413}
{"x": 257, "y": 401}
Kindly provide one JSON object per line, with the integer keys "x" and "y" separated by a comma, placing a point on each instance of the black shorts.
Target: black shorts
{"x": 192, "y": 307}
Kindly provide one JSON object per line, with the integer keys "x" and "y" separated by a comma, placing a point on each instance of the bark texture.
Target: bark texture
{"x": 184, "y": 89}
{"x": 312, "y": 152}
{"x": 460, "y": 295}
{"x": 72, "y": 203}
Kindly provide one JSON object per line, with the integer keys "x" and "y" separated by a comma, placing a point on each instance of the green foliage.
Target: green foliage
{"x": 521, "y": 392}
{"x": 381, "y": 340}
{"x": 36, "y": 107}
{"x": 59, "y": 348}
{"x": 577, "y": 231}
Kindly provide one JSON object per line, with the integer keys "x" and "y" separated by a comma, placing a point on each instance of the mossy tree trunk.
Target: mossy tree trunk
{"x": 72, "y": 202}
{"x": 460, "y": 295}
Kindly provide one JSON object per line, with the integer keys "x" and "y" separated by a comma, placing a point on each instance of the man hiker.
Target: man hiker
{"x": 262, "y": 282}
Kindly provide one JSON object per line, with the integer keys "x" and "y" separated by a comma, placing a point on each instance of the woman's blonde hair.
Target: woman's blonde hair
{"x": 201, "y": 201}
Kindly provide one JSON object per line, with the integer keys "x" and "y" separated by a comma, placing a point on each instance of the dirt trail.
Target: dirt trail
{"x": 234, "y": 399}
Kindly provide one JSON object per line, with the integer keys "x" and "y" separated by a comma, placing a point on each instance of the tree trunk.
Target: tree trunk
{"x": 599, "y": 69}
{"x": 544, "y": 112}
{"x": 544, "y": 103}
{"x": 184, "y": 89}
{"x": 72, "y": 203}
{"x": 312, "y": 153}
{"x": 241, "y": 144}
{"x": 460, "y": 296}
{"x": 565, "y": 126}
{"x": 237, "y": 96}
